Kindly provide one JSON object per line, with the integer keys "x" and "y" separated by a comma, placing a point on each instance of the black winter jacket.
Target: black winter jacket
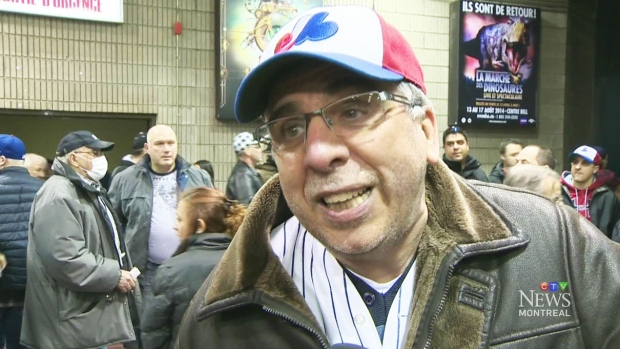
{"x": 176, "y": 282}
{"x": 471, "y": 170}
{"x": 17, "y": 191}
{"x": 243, "y": 183}
{"x": 497, "y": 173}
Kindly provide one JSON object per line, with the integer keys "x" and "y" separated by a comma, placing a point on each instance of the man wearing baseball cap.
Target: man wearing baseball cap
{"x": 79, "y": 279}
{"x": 244, "y": 182}
{"x": 137, "y": 152}
{"x": 17, "y": 191}
{"x": 366, "y": 239}
{"x": 584, "y": 190}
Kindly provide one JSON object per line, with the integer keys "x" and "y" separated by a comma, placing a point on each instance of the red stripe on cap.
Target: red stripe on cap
{"x": 399, "y": 57}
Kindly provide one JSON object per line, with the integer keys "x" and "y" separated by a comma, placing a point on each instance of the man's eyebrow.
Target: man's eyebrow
{"x": 287, "y": 109}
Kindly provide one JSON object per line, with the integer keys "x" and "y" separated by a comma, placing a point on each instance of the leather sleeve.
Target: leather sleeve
{"x": 594, "y": 267}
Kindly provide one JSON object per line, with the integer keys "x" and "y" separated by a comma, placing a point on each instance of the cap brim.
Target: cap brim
{"x": 572, "y": 155}
{"x": 254, "y": 90}
{"x": 101, "y": 145}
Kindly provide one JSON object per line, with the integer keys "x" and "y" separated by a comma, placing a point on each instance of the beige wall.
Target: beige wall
{"x": 68, "y": 65}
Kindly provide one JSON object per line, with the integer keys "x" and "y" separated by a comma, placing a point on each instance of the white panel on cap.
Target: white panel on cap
{"x": 364, "y": 42}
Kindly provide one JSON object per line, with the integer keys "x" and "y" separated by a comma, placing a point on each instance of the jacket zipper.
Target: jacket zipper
{"x": 441, "y": 304}
{"x": 291, "y": 320}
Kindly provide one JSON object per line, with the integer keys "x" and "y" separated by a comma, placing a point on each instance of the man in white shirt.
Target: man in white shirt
{"x": 145, "y": 197}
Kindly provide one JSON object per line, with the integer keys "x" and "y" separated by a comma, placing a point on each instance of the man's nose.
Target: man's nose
{"x": 323, "y": 149}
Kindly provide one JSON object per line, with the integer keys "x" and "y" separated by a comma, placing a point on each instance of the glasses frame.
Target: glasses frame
{"x": 384, "y": 96}
{"x": 94, "y": 153}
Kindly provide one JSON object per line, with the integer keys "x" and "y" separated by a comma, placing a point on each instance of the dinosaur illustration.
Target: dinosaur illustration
{"x": 502, "y": 47}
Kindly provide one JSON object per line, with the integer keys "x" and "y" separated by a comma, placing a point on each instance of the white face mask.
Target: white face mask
{"x": 99, "y": 168}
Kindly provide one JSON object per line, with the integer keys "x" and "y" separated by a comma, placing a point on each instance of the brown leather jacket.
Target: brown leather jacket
{"x": 481, "y": 261}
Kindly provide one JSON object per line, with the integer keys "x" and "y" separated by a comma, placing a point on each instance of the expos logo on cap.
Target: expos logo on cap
{"x": 353, "y": 37}
{"x": 588, "y": 153}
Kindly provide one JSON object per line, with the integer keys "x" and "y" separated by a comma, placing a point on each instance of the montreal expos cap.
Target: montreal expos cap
{"x": 352, "y": 37}
{"x": 588, "y": 153}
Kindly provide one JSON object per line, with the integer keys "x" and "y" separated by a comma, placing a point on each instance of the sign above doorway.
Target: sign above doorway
{"x": 88, "y": 10}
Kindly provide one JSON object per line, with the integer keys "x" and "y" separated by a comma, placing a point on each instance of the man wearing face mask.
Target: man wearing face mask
{"x": 80, "y": 292}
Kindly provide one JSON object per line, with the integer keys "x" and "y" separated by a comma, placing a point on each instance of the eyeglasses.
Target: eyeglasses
{"x": 95, "y": 153}
{"x": 345, "y": 117}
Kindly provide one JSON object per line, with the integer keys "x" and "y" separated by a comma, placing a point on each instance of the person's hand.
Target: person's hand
{"x": 126, "y": 283}
{"x": 2, "y": 261}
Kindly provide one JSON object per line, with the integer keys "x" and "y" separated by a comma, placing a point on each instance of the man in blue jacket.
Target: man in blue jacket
{"x": 17, "y": 191}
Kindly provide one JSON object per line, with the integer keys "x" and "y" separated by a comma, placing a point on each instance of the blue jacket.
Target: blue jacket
{"x": 17, "y": 191}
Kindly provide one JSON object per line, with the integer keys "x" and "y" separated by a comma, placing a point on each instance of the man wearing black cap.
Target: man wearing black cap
{"x": 137, "y": 152}
{"x": 17, "y": 191}
{"x": 79, "y": 279}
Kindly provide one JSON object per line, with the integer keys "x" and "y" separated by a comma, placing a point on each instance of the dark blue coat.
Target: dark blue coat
{"x": 17, "y": 191}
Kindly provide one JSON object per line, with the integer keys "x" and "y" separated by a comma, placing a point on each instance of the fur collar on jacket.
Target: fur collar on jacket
{"x": 456, "y": 216}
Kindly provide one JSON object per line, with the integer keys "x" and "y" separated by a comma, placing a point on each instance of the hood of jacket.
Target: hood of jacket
{"x": 204, "y": 241}
{"x": 61, "y": 169}
{"x": 581, "y": 197}
{"x": 498, "y": 171}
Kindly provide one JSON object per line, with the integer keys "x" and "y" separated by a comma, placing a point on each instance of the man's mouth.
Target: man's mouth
{"x": 347, "y": 200}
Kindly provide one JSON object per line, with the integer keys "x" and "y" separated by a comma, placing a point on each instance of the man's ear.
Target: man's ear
{"x": 429, "y": 127}
{"x": 596, "y": 168}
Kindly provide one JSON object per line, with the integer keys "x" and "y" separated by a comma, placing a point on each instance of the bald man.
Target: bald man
{"x": 145, "y": 197}
{"x": 37, "y": 166}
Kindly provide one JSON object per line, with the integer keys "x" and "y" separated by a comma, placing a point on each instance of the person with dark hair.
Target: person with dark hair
{"x": 456, "y": 154}
{"x": 206, "y": 222}
{"x": 605, "y": 175}
{"x": 536, "y": 154}
{"x": 137, "y": 152}
{"x": 206, "y": 166}
{"x": 509, "y": 149}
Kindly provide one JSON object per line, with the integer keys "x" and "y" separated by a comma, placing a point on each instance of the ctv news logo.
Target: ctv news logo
{"x": 550, "y": 299}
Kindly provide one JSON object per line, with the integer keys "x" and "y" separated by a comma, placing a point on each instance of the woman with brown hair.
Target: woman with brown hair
{"x": 206, "y": 222}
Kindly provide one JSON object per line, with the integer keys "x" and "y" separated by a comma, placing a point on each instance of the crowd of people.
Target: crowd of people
{"x": 358, "y": 243}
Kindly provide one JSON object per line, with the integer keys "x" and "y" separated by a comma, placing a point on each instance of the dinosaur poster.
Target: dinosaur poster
{"x": 245, "y": 28}
{"x": 498, "y": 64}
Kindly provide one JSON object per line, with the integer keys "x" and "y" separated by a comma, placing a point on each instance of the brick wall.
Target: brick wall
{"x": 68, "y": 65}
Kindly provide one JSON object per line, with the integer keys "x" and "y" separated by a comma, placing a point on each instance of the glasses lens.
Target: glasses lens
{"x": 286, "y": 133}
{"x": 355, "y": 112}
